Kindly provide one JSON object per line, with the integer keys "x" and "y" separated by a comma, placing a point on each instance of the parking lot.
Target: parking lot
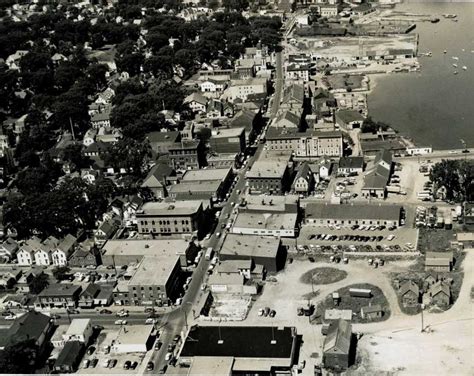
{"x": 403, "y": 238}
{"x": 103, "y": 355}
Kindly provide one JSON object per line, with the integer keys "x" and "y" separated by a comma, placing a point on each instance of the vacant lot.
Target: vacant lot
{"x": 355, "y": 303}
{"x": 434, "y": 239}
{"x": 323, "y": 276}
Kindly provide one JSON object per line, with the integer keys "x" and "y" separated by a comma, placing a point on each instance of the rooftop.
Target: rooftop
{"x": 338, "y": 339}
{"x": 171, "y": 208}
{"x": 265, "y": 220}
{"x": 239, "y": 341}
{"x": 207, "y": 174}
{"x": 138, "y": 335}
{"x": 266, "y": 167}
{"x": 250, "y": 245}
{"x": 154, "y": 271}
{"x": 351, "y": 162}
{"x": 60, "y": 289}
{"x": 227, "y": 132}
{"x": 157, "y": 247}
{"x": 286, "y": 203}
{"x": 77, "y": 327}
{"x": 353, "y": 211}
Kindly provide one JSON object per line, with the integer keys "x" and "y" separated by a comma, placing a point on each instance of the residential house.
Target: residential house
{"x": 82, "y": 258}
{"x": 157, "y": 180}
{"x": 304, "y": 180}
{"x": 350, "y": 165}
{"x": 62, "y": 252}
{"x": 338, "y": 346}
{"x": 293, "y": 97}
{"x": 26, "y": 253}
{"x": 30, "y": 326}
{"x": 409, "y": 294}
{"x": 196, "y": 102}
{"x": 44, "y": 252}
{"x": 105, "y": 231}
{"x": 8, "y": 250}
{"x": 440, "y": 294}
{"x": 89, "y": 137}
{"x": 439, "y": 261}
{"x": 101, "y": 119}
{"x": 288, "y": 119}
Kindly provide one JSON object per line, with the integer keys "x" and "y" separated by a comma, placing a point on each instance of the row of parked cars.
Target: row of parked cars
{"x": 363, "y": 238}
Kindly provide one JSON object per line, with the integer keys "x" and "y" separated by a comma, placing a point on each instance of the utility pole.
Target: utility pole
{"x": 72, "y": 129}
{"x": 422, "y": 323}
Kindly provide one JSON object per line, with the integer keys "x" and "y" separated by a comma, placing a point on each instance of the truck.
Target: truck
{"x": 395, "y": 189}
{"x": 360, "y": 293}
{"x": 209, "y": 253}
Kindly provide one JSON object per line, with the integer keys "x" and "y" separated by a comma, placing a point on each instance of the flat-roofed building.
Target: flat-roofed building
{"x": 171, "y": 218}
{"x": 262, "y": 250}
{"x": 241, "y": 89}
{"x": 269, "y": 175}
{"x": 227, "y": 140}
{"x": 274, "y": 203}
{"x": 186, "y": 155}
{"x": 138, "y": 339}
{"x": 250, "y": 222}
{"x": 154, "y": 282}
{"x": 353, "y": 214}
{"x": 253, "y": 350}
{"x": 308, "y": 144}
{"x": 127, "y": 251}
{"x": 79, "y": 330}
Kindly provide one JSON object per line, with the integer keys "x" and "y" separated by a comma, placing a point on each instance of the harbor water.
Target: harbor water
{"x": 434, "y": 107}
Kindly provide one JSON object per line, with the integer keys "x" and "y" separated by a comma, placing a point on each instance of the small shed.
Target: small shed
{"x": 371, "y": 312}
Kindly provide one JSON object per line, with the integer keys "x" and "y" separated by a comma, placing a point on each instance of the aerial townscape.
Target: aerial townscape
{"x": 236, "y": 187}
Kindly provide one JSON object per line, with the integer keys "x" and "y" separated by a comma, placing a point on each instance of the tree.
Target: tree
{"x": 61, "y": 273}
{"x": 456, "y": 176}
{"x": 39, "y": 283}
{"x": 19, "y": 358}
{"x": 128, "y": 154}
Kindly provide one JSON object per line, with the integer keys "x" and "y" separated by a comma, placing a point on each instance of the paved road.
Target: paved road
{"x": 278, "y": 85}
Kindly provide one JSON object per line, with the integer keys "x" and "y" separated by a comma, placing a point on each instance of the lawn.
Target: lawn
{"x": 434, "y": 239}
{"x": 355, "y": 303}
{"x": 323, "y": 276}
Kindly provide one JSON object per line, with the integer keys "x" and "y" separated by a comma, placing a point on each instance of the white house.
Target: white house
{"x": 297, "y": 72}
{"x": 62, "y": 252}
{"x": 212, "y": 86}
{"x": 196, "y": 102}
{"x": 8, "y": 250}
{"x": 26, "y": 254}
{"x": 89, "y": 137}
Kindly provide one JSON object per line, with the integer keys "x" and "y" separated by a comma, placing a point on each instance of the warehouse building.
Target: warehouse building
{"x": 353, "y": 214}
{"x": 266, "y": 251}
{"x": 252, "y": 222}
{"x": 240, "y": 350}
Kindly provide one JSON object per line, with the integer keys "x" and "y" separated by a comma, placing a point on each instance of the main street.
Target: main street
{"x": 179, "y": 321}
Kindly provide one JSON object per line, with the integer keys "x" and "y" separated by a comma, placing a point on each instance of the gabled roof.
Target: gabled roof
{"x": 196, "y": 97}
{"x": 29, "y": 326}
{"x": 440, "y": 288}
{"x": 338, "y": 339}
{"x": 290, "y": 116}
{"x": 303, "y": 171}
{"x": 409, "y": 286}
{"x": 351, "y": 162}
{"x": 92, "y": 290}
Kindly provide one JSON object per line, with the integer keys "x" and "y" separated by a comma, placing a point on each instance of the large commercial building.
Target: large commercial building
{"x": 171, "y": 218}
{"x": 353, "y": 214}
{"x": 309, "y": 144}
{"x": 155, "y": 282}
{"x": 186, "y": 155}
{"x": 240, "y": 350}
{"x": 242, "y": 89}
{"x": 265, "y": 223}
{"x": 262, "y": 250}
{"x": 121, "y": 252}
{"x": 269, "y": 175}
{"x": 227, "y": 140}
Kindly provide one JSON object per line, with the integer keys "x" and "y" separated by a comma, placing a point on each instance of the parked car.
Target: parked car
{"x": 272, "y": 313}
{"x": 163, "y": 370}
{"x": 127, "y": 364}
{"x": 168, "y": 356}
{"x": 120, "y": 322}
{"x": 134, "y": 365}
{"x": 10, "y": 317}
{"x": 150, "y": 366}
{"x": 105, "y": 312}
{"x": 90, "y": 350}
{"x": 112, "y": 363}
{"x": 94, "y": 362}
{"x": 158, "y": 345}
{"x": 86, "y": 363}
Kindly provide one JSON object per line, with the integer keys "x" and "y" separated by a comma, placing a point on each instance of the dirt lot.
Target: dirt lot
{"x": 355, "y": 303}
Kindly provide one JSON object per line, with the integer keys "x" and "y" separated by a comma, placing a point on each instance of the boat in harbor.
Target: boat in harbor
{"x": 434, "y": 19}
{"x": 455, "y": 72}
{"x": 445, "y": 51}
{"x": 455, "y": 58}
{"x": 464, "y": 67}
{"x": 455, "y": 65}
{"x": 450, "y": 15}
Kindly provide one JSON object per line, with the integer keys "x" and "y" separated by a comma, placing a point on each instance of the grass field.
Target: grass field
{"x": 323, "y": 276}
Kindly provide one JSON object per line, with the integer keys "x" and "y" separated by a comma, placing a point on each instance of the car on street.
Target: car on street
{"x": 150, "y": 321}
{"x": 90, "y": 350}
{"x": 11, "y": 317}
{"x": 158, "y": 345}
{"x": 163, "y": 370}
{"x": 168, "y": 356}
{"x": 390, "y": 237}
{"x": 120, "y": 322}
{"x": 122, "y": 313}
{"x": 150, "y": 366}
